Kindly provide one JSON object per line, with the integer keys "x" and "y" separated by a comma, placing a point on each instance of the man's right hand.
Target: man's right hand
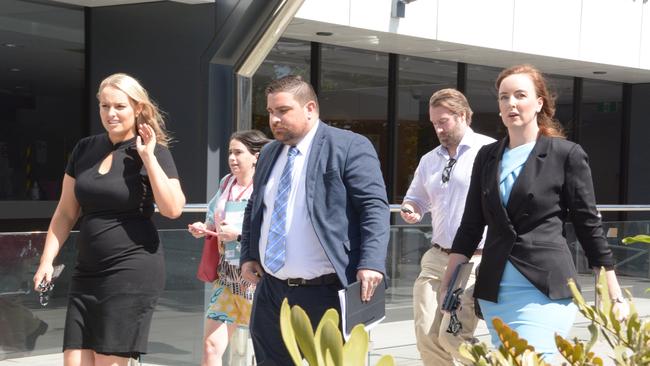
{"x": 409, "y": 214}
{"x": 251, "y": 271}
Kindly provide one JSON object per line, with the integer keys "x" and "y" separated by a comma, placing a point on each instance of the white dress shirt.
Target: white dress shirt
{"x": 305, "y": 257}
{"x": 446, "y": 201}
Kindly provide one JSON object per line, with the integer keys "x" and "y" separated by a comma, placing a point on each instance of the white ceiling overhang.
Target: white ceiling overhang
{"x": 305, "y": 29}
{"x": 93, "y": 3}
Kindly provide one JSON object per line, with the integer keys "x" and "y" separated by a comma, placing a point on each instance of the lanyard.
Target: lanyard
{"x": 239, "y": 196}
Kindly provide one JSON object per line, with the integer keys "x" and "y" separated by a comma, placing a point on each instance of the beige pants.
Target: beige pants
{"x": 436, "y": 346}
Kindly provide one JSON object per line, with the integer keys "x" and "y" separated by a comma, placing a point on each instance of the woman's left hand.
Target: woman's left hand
{"x": 227, "y": 232}
{"x": 146, "y": 141}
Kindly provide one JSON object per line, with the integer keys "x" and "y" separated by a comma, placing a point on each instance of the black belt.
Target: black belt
{"x": 444, "y": 250}
{"x": 328, "y": 279}
{"x": 448, "y": 251}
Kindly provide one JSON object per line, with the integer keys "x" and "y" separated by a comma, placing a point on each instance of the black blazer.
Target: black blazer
{"x": 554, "y": 185}
{"x": 346, "y": 202}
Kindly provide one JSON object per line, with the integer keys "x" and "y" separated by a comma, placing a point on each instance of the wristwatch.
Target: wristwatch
{"x": 619, "y": 300}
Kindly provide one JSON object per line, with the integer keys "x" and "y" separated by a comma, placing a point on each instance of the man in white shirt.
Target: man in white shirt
{"x": 317, "y": 221}
{"x": 440, "y": 186}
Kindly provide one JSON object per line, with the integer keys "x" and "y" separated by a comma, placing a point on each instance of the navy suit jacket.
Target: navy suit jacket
{"x": 554, "y": 186}
{"x": 346, "y": 202}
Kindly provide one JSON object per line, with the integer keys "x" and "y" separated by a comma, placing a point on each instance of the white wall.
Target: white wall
{"x": 611, "y": 32}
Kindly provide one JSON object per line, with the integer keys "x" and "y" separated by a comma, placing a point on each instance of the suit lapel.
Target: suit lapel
{"x": 528, "y": 176}
{"x": 493, "y": 168}
{"x": 312, "y": 163}
{"x": 263, "y": 172}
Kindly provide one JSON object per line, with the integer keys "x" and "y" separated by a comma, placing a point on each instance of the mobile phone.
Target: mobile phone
{"x": 210, "y": 232}
{"x": 406, "y": 210}
{"x": 205, "y": 231}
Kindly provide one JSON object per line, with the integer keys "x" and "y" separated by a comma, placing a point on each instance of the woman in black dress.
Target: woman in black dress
{"x": 111, "y": 183}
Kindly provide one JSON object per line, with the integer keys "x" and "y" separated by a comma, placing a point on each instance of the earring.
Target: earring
{"x": 499, "y": 114}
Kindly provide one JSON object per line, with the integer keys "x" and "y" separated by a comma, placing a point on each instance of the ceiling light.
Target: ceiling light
{"x": 324, "y": 34}
{"x": 10, "y": 45}
{"x": 600, "y": 72}
{"x": 14, "y": 69}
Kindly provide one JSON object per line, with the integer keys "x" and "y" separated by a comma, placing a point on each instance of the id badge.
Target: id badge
{"x": 233, "y": 251}
{"x": 234, "y": 215}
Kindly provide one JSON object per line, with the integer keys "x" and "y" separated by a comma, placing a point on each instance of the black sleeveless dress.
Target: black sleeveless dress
{"x": 120, "y": 269}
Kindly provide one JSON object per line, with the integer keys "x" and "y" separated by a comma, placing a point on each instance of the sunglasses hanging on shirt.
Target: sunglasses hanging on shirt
{"x": 446, "y": 172}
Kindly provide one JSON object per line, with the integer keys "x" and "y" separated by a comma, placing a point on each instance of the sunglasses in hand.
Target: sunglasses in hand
{"x": 45, "y": 288}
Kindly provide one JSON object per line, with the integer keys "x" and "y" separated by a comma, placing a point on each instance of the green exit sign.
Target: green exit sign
{"x": 607, "y": 107}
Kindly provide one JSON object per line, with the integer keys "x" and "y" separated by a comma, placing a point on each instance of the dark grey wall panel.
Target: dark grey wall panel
{"x": 638, "y": 165}
{"x": 160, "y": 44}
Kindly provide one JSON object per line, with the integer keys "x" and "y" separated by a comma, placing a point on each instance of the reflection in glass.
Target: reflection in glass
{"x": 354, "y": 95}
{"x": 288, "y": 57}
{"x": 562, "y": 87}
{"x": 601, "y": 115}
{"x": 41, "y": 89}
{"x": 482, "y": 97}
{"x": 418, "y": 79}
{"x": 27, "y": 328}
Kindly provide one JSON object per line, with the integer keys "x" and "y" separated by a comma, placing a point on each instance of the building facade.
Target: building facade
{"x": 374, "y": 67}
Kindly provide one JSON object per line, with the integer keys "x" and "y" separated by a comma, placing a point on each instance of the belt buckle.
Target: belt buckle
{"x": 295, "y": 282}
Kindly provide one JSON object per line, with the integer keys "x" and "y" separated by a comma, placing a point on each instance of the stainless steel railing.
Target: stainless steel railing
{"x": 202, "y": 207}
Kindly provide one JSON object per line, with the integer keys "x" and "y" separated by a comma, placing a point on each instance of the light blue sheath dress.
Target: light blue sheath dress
{"x": 521, "y": 305}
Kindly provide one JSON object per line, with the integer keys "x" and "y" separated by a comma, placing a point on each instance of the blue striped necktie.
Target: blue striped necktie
{"x": 276, "y": 247}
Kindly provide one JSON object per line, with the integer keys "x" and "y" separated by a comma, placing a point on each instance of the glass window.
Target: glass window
{"x": 418, "y": 79}
{"x": 41, "y": 96}
{"x": 562, "y": 87}
{"x": 354, "y": 94}
{"x": 482, "y": 97}
{"x": 288, "y": 57}
{"x": 601, "y": 115}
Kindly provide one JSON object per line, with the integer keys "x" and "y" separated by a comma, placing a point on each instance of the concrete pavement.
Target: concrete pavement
{"x": 175, "y": 334}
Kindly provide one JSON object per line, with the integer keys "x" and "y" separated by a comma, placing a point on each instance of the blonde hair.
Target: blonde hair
{"x": 150, "y": 113}
{"x": 453, "y": 100}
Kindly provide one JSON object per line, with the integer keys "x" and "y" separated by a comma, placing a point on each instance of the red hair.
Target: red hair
{"x": 548, "y": 125}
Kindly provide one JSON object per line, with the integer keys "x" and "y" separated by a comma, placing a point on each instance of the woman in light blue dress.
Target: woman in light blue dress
{"x": 524, "y": 188}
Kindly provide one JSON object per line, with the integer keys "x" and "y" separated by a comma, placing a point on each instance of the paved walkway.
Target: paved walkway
{"x": 395, "y": 338}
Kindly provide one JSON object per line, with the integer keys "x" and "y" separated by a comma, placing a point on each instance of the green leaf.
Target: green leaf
{"x": 636, "y": 239}
{"x": 331, "y": 342}
{"x": 385, "y": 360}
{"x": 330, "y": 315}
{"x": 355, "y": 349}
{"x": 304, "y": 334}
{"x": 328, "y": 359}
{"x": 288, "y": 335}
{"x": 593, "y": 330}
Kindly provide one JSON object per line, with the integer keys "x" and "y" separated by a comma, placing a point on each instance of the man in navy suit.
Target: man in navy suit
{"x": 318, "y": 219}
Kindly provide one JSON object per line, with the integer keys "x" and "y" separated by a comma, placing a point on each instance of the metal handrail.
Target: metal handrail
{"x": 394, "y": 208}
{"x": 623, "y": 208}
{"x": 601, "y": 208}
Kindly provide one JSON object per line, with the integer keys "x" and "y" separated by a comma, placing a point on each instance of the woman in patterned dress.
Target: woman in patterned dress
{"x": 230, "y": 304}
